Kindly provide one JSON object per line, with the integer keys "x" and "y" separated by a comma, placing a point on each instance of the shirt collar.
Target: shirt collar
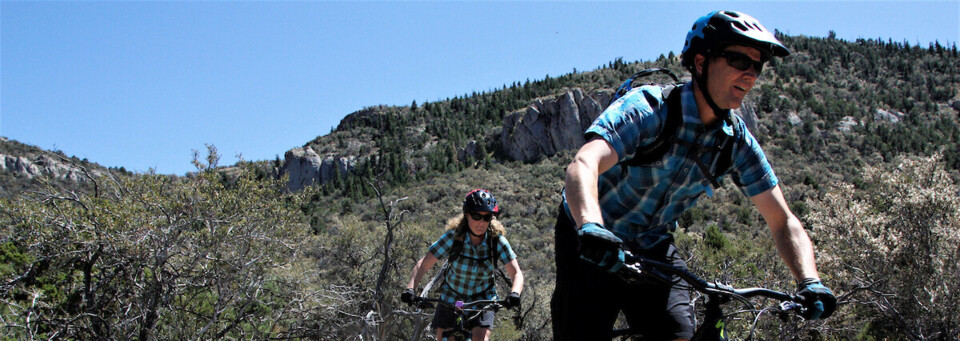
{"x": 691, "y": 116}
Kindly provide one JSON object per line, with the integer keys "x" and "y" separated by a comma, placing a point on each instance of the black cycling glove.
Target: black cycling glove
{"x": 407, "y": 296}
{"x": 512, "y": 300}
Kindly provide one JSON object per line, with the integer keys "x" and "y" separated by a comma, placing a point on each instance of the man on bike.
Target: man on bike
{"x": 473, "y": 243}
{"x": 611, "y": 202}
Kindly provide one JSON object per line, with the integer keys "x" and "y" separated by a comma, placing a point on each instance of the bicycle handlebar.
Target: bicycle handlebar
{"x": 638, "y": 268}
{"x": 426, "y": 302}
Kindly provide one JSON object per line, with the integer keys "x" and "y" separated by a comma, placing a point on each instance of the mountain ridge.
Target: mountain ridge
{"x": 434, "y": 131}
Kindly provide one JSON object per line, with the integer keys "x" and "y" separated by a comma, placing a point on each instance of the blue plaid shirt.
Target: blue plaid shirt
{"x": 469, "y": 278}
{"x": 641, "y": 204}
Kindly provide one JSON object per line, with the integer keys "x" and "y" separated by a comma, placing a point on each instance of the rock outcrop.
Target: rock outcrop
{"x": 748, "y": 112}
{"x": 43, "y": 165}
{"x": 891, "y": 116}
{"x": 550, "y": 125}
{"x": 306, "y": 168}
{"x": 29, "y": 162}
{"x": 470, "y": 150}
{"x": 847, "y": 123}
{"x": 555, "y": 124}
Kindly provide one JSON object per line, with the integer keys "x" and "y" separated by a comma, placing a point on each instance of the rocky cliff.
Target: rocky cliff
{"x": 24, "y": 161}
{"x": 549, "y": 125}
{"x": 41, "y": 165}
{"x": 305, "y": 167}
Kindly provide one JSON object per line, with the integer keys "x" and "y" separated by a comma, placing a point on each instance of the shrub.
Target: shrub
{"x": 152, "y": 257}
{"x": 893, "y": 248}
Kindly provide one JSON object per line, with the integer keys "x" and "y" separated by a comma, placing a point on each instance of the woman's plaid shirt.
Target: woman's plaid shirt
{"x": 468, "y": 276}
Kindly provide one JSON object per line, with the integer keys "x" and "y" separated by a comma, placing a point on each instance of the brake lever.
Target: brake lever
{"x": 789, "y": 306}
{"x": 423, "y": 305}
{"x": 633, "y": 272}
{"x": 630, "y": 273}
{"x": 786, "y": 307}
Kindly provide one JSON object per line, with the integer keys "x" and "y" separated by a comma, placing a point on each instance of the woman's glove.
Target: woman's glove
{"x": 512, "y": 300}
{"x": 407, "y": 296}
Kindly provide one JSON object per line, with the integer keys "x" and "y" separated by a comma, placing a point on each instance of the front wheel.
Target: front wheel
{"x": 455, "y": 335}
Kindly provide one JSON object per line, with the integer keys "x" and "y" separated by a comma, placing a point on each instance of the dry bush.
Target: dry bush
{"x": 890, "y": 246}
{"x": 152, "y": 257}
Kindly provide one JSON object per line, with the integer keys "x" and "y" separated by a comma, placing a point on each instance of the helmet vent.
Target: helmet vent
{"x": 740, "y": 26}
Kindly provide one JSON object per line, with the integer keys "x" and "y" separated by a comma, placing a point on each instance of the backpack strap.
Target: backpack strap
{"x": 654, "y": 151}
{"x": 440, "y": 277}
{"x": 436, "y": 278}
{"x": 456, "y": 249}
{"x": 627, "y": 85}
{"x": 493, "y": 244}
{"x": 725, "y": 157}
{"x": 647, "y": 155}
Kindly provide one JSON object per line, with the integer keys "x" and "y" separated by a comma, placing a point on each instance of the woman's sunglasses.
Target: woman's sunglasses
{"x": 479, "y": 217}
{"x": 741, "y": 61}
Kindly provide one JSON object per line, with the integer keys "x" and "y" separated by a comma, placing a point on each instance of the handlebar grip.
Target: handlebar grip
{"x": 422, "y": 303}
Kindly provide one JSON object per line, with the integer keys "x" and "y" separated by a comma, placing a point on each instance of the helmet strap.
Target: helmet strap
{"x": 701, "y": 80}
{"x": 470, "y": 231}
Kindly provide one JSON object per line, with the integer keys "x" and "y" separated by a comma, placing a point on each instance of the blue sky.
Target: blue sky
{"x": 142, "y": 84}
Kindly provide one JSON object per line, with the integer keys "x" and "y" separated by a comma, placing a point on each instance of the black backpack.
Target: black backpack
{"x": 654, "y": 152}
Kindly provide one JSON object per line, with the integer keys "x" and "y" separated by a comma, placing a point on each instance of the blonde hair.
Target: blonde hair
{"x": 460, "y": 224}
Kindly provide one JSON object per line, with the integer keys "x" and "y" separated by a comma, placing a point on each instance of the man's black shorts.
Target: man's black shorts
{"x": 587, "y": 299}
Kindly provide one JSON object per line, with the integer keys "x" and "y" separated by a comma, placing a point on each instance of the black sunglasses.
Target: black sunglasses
{"x": 741, "y": 61}
{"x": 479, "y": 217}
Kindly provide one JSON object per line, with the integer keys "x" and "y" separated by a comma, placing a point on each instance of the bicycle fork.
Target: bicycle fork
{"x": 714, "y": 324}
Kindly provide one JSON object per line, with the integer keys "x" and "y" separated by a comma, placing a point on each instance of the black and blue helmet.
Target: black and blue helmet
{"x": 719, "y": 29}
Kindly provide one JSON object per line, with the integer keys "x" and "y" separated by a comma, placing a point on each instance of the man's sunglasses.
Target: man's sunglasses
{"x": 741, "y": 61}
{"x": 479, "y": 217}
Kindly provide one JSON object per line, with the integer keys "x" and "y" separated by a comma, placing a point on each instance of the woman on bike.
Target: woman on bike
{"x": 473, "y": 244}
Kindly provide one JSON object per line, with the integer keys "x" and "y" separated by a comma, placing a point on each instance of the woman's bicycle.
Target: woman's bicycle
{"x": 642, "y": 270}
{"x": 466, "y": 312}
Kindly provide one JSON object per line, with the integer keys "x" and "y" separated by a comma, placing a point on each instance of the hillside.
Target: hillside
{"x": 232, "y": 252}
{"x": 821, "y": 114}
{"x": 878, "y": 99}
{"x": 24, "y": 167}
